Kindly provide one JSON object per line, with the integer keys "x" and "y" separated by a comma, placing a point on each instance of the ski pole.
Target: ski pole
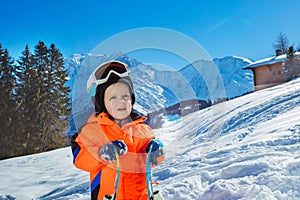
{"x": 149, "y": 175}
{"x": 118, "y": 175}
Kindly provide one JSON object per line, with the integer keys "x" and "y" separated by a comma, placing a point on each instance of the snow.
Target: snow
{"x": 269, "y": 60}
{"x": 245, "y": 148}
{"x": 244, "y": 59}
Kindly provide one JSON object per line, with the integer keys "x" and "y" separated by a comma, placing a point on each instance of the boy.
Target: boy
{"x": 115, "y": 137}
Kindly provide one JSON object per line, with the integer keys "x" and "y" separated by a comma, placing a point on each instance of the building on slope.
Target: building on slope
{"x": 271, "y": 71}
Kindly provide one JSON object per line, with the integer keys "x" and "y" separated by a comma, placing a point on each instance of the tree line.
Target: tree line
{"x": 35, "y": 104}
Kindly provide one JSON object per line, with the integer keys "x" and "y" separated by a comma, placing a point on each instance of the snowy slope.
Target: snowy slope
{"x": 246, "y": 148}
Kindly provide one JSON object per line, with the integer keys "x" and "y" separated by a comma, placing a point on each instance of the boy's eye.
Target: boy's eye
{"x": 112, "y": 98}
{"x": 126, "y": 97}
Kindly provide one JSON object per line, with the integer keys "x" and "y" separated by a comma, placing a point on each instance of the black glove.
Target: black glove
{"x": 108, "y": 151}
{"x": 157, "y": 150}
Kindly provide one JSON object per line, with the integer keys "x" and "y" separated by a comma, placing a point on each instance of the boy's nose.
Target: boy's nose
{"x": 121, "y": 100}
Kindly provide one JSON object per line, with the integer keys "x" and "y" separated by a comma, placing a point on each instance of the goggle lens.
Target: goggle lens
{"x": 103, "y": 72}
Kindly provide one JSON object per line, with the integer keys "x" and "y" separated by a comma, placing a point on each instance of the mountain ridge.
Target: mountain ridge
{"x": 155, "y": 89}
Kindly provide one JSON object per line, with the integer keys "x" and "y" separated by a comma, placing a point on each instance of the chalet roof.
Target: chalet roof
{"x": 268, "y": 61}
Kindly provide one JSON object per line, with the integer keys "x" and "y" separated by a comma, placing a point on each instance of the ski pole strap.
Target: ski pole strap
{"x": 148, "y": 175}
{"x": 118, "y": 175}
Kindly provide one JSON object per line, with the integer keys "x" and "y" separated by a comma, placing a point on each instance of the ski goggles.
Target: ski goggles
{"x": 102, "y": 73}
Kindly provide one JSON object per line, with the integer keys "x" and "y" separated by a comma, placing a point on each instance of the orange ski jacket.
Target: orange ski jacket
{"x": 100, "y": 130}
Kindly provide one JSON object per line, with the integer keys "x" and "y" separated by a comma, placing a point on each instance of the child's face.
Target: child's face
{"x": 117, "y": 100}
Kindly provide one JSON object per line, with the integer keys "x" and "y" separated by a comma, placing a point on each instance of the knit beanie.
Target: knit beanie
{"x": 101, "y": 88}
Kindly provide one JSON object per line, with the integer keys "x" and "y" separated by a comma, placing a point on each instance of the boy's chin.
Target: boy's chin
{"x": 121, "y": 116}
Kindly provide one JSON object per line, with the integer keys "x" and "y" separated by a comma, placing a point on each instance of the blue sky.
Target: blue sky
{"x": 246, "y": 28}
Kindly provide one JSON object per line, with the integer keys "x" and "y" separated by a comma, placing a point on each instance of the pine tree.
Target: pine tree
{"x": 43, "y": 96}
{"x": 8, "y": 104}
{"x": 59, "y": 79}
{"x": 52, "y": 99}
{"x": 58, "y": 100}
{"x": 28, "y": 98}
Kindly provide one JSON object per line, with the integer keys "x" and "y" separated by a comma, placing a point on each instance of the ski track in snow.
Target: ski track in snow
{"x": 255, "y": 155}
{"x": 245, "y": 148}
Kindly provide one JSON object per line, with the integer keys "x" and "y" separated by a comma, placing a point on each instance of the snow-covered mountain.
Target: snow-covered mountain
{"x": 244, "y": 148}
{"x": 156, "y": 89}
